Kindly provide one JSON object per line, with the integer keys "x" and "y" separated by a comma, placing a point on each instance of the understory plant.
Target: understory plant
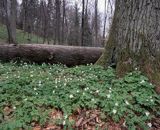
{"x": 29, "y": 93}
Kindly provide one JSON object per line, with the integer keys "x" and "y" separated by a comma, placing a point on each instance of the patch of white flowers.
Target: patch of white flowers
{"x": 86, "y": 89}
{"x": 39, "y": 83}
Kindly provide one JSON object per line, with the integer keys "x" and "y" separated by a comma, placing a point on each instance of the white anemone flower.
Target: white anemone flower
{"x": 97, "y": 91}
{"x": 126, "y": 102}
{"x": 71, "y": 96}
{"x": 93, "y": 99}
{"x": 136, "y": 68}
{"x": 149, "y": 124}
{"x": 64, "y": 122}
{"x": 116, "y": 104}
{"x": 147, "y": 113}
{"x": 151, "y": 100}
{"x": 25, "y": 99}
{"x": 108, "y": 96}
{"x": 124, "y": 123}
{"x": 114, "y": 111}
{"x": 142, "y": 82}
{"x": 66, "y": 116}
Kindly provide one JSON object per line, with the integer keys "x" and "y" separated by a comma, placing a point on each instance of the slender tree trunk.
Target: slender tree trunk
{"x": 11, "y": 20}
{"x": 63, "y": 20}
{"x": 96, "y": 23}
{"x": 2, "y": 11}
{"x": 58, "y": 20}
{"x": 134, "y": 39}
{"x": 105, "y": 20}
{"x": 45, "y": 23}
{"x": 82, "y": 26}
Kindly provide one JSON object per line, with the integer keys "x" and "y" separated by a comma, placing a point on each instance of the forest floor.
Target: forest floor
{"x": 54, "y": 97}
{"x": 22, "y": 37}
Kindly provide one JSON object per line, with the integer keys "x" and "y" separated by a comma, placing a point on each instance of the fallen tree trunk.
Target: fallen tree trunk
{"x": 52, "y": 54}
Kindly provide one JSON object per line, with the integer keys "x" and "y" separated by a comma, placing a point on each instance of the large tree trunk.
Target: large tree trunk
{"x": 134, "y": 39}
{"x": 67, "y": 55}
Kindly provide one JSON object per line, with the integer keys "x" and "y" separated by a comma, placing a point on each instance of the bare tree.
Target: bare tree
{"x": 63, "y": 21}
{"x": 2, "y": 11}
{"x": 104, "y": 26}
{"x": 44, "y": 20}
{"x": 58, "y": 21}
{"x": 11, "y": 20}
{"x": 82, "y": 24}
{"x": 96, "y": 22}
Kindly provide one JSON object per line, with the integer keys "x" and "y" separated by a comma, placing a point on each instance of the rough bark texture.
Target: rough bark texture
{"x": 11, "y": 20}
{"x": 67, "y": 55}
{"x": 134, "y": 40}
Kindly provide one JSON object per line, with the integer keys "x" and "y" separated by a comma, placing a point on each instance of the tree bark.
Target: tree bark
{"x": 134, "y": 39}
{"x": 63, "y": 20}
{"x": 104, "y": 26}
{"x": 96, "y": 22}
{"x": 58, "y": 21}
{"x": 11, "y": 20}
{"x": 82, "y": 25}
{"x": 52, "y": 54}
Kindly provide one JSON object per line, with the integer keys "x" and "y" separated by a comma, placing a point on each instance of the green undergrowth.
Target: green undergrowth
{"x": 33, "y": 91}
{"x": 21, "y": 36}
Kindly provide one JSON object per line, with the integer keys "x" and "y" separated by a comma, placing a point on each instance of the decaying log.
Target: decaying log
{"x": 52, "y": 54}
